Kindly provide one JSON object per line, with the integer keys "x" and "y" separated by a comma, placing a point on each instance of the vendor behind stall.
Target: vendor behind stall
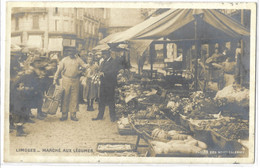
{"x": 229, "y": 71}
{"x": 215, "y": 68}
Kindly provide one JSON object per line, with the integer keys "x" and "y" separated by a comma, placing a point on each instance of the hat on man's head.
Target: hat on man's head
{"x": 105, "y": 52}
{"x": 90, "y": 54}
{"x": 40, "y": 60}
{"x": 70, "y": 50}
{"x": 37, "y": 59}
{"x": 98, "y": 53}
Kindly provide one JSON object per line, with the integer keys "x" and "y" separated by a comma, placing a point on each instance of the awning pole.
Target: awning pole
{"x": 152, "y": 52}
{"x": 164, "y": 49}
{"x": 196, "y": 51}
{"x": 242, "y": 51}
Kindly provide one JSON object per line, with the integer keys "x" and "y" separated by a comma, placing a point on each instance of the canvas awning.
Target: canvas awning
{"x": 109, "y": 38}
{"x": 178, "y": 24}
{"x": 133, "y": 31}
{"x": 15, "y": 47}
{"x": 101, "y": 47}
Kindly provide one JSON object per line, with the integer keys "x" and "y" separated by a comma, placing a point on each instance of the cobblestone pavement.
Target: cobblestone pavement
{"x": 51, "y": 134}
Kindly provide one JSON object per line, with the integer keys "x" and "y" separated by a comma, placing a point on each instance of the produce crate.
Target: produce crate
{"x": 213, "y": 139}
{"x": 227, "y": 144}
{"x": 184, "y": 122}
{"x": 126, "y": 131}
{"x": 174, "y": 117}
{"x": 115, "y": 147}
{"x": 154, "y": 124}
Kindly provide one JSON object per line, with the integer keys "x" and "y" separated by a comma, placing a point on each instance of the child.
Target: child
{"x": 20, "y": 110}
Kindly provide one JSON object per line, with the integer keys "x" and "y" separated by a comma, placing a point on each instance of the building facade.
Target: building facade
{"x": 120, "y": 19}
{"x": 53, "y": 29}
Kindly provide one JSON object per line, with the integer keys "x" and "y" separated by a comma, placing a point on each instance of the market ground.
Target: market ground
{"x": 51, "y": 133}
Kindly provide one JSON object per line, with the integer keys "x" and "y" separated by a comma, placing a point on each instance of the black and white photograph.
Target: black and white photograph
{"x": 129, "y": 82}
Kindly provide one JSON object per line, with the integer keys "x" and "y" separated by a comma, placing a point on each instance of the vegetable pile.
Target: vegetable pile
{"x": 198, "y": 106}
{"x": 123, "y": 123}
{"x": 151, "y": 112}
{"x": 232, "y": 129}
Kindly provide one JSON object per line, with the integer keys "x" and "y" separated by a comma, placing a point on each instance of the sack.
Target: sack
{"x": 52, "y": 99}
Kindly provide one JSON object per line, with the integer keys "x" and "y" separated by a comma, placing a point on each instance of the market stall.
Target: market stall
{"x": 187, "y": 28}
{"x": 170, "y": 122}
{"x": 159, "y": 116}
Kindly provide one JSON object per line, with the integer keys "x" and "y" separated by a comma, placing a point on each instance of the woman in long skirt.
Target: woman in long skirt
{"x": 90, "y": 91}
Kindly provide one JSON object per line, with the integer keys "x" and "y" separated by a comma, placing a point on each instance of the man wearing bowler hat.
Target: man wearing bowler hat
{"x": 109, "y": 70}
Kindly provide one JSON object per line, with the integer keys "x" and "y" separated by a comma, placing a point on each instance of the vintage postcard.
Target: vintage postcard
{"x": 129, "y": 82}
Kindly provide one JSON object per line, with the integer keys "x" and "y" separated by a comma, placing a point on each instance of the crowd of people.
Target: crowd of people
{"x": 84, "y": 78}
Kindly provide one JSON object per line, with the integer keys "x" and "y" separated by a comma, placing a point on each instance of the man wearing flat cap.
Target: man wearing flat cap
{"x": 69, "y": 69}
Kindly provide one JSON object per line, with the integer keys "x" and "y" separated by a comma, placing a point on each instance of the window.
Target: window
{"x": 77, "y": 29}
{"x": 66, "y": 26}
{"x": 79, "y": 14}
{"x": 16, "y": 23}
{"x": 105, "y": 14}
{"x": 35, "y": 22}
{"x": 86, "y": 26}
{"x": 72, "y": 26}
{"x": 66, "y": 12}
{"x": 56, "y": 25}
{"x": 80, "y": 30}
{"x": 93, "y": 29}
{"x": 56, "y": 11}
{"x": 89, "y": 28}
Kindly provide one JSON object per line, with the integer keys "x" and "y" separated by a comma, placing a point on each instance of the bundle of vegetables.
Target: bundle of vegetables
{"x": 179, "y": 145}
{"x": 171, "y": 97}
{"x": 122, "y": 77}
{"x": 123, "y": 123}
{"x": 214, "y": 124}
{"x": 152, "y": 128}
{"x": 174, "y": 133}
{"x": 235, "y": 131}
{"x": 122, "y": 109}
{"x": 182, "y": 106}
{"x": 153, "y": 99}
{"x": 151, "y": 112}
{"x": 143, "y": 122}
{"x": 148, "y": 126}
{"x": 198, "y": 106}
{"x": 199, "y": 115}
{"x": 130, "y": 90}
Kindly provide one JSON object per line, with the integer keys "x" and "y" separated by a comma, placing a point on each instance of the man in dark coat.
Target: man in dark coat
{"x": 39, "y": 83}
{"x": 109, "y": 70}
{"x": 24, "y": 93}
